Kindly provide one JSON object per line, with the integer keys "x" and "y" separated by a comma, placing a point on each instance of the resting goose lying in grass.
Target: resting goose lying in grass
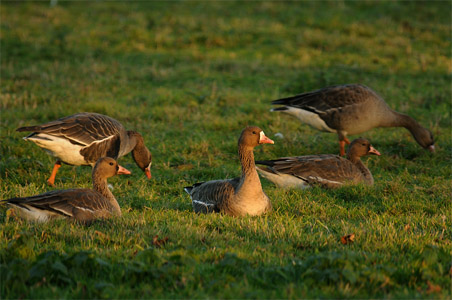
{"x": 83, "y": 138}
{"x": 327, "y": 170}
{"x": 84, "y": 205}
{"x": 350, "y": 109}
{"x": 239, "y": 196}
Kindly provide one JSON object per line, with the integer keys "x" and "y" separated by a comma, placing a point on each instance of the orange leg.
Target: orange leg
{"x": 342, "y": 148}
{"x": 342, "y": 145}
{"x": 51, "y": 179}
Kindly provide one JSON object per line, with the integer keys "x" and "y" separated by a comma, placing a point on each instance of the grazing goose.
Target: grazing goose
{"x": 327, "y": 170}
{"x": 83, "y": 138}
{"x": 84, "y": 205}
{"x": 239, "y": 196}
{"x": 350, "y": 109}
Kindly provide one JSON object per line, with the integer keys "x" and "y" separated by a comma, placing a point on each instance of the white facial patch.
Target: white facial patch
{"x": 261, "y": 136}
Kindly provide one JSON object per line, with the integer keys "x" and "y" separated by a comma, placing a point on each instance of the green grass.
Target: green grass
{"x": 189, "y": 76}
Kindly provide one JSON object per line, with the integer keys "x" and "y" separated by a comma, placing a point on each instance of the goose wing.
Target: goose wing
{"x": 81, "y": 129}
{"x": 325, "y": 169}
{"x": 80, "y": 204}
{"x": 212, "y": 196}
{"x": 329, "y": 98}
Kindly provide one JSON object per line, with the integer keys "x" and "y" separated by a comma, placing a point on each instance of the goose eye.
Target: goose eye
{"x": 111, "y": 164}
{"x": 254, "y": 132}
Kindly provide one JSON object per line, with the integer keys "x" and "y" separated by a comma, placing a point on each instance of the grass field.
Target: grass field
{"x": 189, "y": 76}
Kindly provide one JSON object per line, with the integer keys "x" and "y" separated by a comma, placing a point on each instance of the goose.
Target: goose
{"x": 239, "y": 196}
{"x": 326, "y": 170}
{"x": 83, "y": 138}
{"x": 83, "y": 205}
{"x": 350, "y": 109}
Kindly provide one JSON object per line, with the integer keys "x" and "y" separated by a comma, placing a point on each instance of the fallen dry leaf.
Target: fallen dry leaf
{"x": 348, "y": 239}
{"x": 11, "y": 214}
{"x": 433, "y": 288}
{"x": 159, "y": 243}
{"x": 386, "y": 282}
{"x": 407, "y": 227}
{"x": 101, "y": 234}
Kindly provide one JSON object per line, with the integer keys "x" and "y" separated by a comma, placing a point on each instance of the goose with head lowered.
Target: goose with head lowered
{"x": 326, "y": 170}
{"x": 239, "y": 196}
{"x": 83, "y": 138}
{"x": 350, "y": 109}
{"x": 83, "y": 205}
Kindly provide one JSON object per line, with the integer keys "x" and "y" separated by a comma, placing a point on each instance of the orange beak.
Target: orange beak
{"x": 148, "y": 173}
{"x": 122, "y": 170}
{"x": 372, "y": 150}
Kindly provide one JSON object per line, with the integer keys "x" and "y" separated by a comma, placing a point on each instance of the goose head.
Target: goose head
{"x": 361, "y": 147}
{"x": 142, "y": 156}
{"x": 424, "y": 138}
{"x": 107, "y": 167}
{"x": 253, "y": 136}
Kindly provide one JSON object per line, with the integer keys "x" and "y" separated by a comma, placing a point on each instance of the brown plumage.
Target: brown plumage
{"x": 327, "y": 170}
{"x": 84, "y": 205}
{"x": 83, "y": 138}
{"x": 239, "y": 196}
{"x": 350, "y": 109}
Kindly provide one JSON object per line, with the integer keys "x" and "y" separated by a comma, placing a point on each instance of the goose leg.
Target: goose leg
{"x": 342, "y": 148}
{"x": 51, "y": 179}
{"x": 342, "y": 145}
{"x": 342, "y": 135}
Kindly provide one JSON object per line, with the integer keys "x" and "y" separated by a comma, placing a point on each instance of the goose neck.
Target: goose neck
{"x": 368, "y": 178}
{"x": 100, "y": 185}
{"x": 396, "y": 119}
{"x": 246, "y": 156}
{"x": 353, "y": 158}
{"x": 132, "y": 141}
{"x": 250, "y": 188}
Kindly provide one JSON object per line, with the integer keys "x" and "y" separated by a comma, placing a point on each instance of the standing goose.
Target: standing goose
{"x": 327, "y": 170}
{"x": 350, "y": 109}
{"x": 239, "y": 196}
{"x": 84, "y": 205}
{"x": 83, "y": 138}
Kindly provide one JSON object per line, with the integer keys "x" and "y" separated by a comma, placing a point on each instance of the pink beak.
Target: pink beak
{"x": 372, "y": 150}
{"x": 265, "y": 140}
{"x": 122, "y": 170}
{"x": 431, "y": 148}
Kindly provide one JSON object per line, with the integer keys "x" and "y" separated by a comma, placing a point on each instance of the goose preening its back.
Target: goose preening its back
{"x": 350, "y": 109}
{"x": 326, "y": 170}
{"x": 83, "y": 138}
{"x": 84, "y": 205}
{"x": 239, "y": 196}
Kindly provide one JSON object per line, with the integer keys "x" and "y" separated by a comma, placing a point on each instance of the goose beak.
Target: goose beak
{"x": 431, "y": 148}
{"x": 264, "y": 139}
{"x": 372, "y": 150}
{"x": 122, "y": 170}
{"x": 148, "y": 173}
